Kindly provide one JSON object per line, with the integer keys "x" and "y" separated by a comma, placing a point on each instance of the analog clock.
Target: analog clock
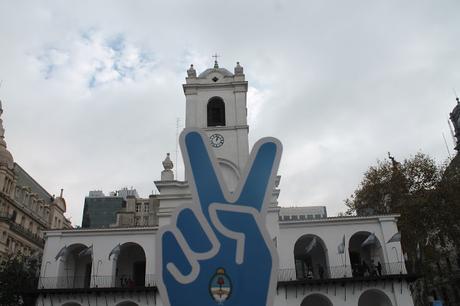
{"x": 216, "y": 140}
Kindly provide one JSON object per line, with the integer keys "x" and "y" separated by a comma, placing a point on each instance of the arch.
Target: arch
{"x": 216, "y": 112}
{"x": 364, "y": 259}
{"x": 311, "y": 260}
{"x": 130, "y": 267}
{"x": 316, "y": 299}
{"x": 71, "y": 304}
{"x": 374, "y": 297}
{"x": 127, "y": 303}
{"x": 230, "y": 173}
{"x": 75, "y": 268}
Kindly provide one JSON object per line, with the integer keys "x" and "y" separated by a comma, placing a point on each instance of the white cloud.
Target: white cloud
{"x": 92, "y": 91}
{"x": 92, "y": 59}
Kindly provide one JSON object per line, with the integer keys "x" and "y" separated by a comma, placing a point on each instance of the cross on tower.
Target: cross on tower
{"x": 216, "y": 56}
{"x": 216, "y": 65}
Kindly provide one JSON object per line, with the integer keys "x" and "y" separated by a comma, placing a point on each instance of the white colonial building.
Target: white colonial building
{"x": 324, "y": 261}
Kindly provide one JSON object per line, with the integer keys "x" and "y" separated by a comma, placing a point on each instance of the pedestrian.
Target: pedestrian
{"x": 379, "y": 268}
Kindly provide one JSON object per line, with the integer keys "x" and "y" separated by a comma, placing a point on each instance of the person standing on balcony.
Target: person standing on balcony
{"x": 321, "y": 271}
{"x": 379, "y": 268}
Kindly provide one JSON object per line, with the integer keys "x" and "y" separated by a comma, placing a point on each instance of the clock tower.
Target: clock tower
{"x": 216, "y": 103}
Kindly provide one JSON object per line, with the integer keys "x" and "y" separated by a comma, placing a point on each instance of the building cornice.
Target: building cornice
{"x": 339, "y": 221}
{"x": 102, "y": 231}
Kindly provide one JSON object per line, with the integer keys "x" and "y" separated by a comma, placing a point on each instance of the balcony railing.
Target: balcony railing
{"x": 340, "y": 272}
{"x": 21, "y": 230}
{"x": 101, "y": 281}
{"x": 284, "y": 275}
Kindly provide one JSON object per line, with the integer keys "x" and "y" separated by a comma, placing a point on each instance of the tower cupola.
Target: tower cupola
{"x": 216, "y": 103}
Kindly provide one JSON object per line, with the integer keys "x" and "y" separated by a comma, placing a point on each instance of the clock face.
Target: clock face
{"x": 216, "y": 140}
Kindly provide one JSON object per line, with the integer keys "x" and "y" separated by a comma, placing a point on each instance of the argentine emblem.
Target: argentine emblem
{"x": 220, "y": 286}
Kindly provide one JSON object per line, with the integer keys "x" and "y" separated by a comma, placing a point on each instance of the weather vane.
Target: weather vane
{"x": 216, "y": 56}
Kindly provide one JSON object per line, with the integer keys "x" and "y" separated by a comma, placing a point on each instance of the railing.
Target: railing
{"x": 101, "y": 281}
{"x": 335, "y": 272}
{"x": 21, "y": 230}
{"x": 284, "y": 275}
{"x": 18, "y": 228}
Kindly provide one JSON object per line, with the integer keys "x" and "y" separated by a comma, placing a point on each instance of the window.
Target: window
{"x": 138, "y": 207}
{"x": 146, "y": 207}
{"x": 146, "y": 220}
{"x": 136, "y": 221}
{"x": 317, "y": 216}
{"x": 216, "y": 112}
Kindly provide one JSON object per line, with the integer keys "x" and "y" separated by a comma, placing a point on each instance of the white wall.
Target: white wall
{"x": 103, "y": 242}
{"x": 331, "y": 231}
{"x": 397, "y": 292}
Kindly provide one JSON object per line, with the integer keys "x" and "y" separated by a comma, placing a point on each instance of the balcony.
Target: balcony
{"x": 285, "y": 277}
{"x": 95, "y": 283}
{"x": 344, "y": 273}
{"x": 20, "y": 230}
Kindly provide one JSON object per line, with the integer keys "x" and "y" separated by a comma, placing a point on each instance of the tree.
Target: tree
{"x": 427, "y": 197}
{"x": 18, "y": 278}
{"x": 389, "y": 185}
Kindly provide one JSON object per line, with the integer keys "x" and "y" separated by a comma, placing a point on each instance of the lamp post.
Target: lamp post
{"x": 44, "y": 273}
{"x": 400, "y": 259}
{"x": 97, "y": 270}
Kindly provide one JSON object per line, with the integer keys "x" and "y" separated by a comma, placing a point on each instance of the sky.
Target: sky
{"x": 92, "y": 91}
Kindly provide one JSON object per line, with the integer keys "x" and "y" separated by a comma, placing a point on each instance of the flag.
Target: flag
{"x": 395, "y": 238}
{"x": 341, "y": 246}
{"x": 311, "y": 245}
{"x": 115, "y": 251}
{"x": 61, "y": 253}
{"x": 87, "y": 251}
{"x": 369, "y": 240}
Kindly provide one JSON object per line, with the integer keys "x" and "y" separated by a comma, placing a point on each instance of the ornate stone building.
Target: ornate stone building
{"x": 26, "y": 208}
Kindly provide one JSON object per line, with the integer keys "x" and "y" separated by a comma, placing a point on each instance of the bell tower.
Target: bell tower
{"x": 216, "y": 103}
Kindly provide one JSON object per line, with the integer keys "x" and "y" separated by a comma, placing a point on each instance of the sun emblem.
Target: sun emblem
{"x": 220, "y": 286}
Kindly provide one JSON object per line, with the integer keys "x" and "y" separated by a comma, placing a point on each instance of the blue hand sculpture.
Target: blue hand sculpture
{"x": 217, "y": 251}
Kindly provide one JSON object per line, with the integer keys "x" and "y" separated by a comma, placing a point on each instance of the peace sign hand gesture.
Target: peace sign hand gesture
{"x": 218, "y": 250}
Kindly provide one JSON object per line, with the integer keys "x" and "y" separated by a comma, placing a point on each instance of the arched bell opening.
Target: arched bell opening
{"x": 216, "y": 112}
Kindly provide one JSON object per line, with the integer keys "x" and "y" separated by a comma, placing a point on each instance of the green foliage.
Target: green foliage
{"x": 18, "y": 278}
{"x": 425, "y": 194}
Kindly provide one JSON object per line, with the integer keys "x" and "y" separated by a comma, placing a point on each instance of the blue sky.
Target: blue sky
{"x": 92, "y": 91}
